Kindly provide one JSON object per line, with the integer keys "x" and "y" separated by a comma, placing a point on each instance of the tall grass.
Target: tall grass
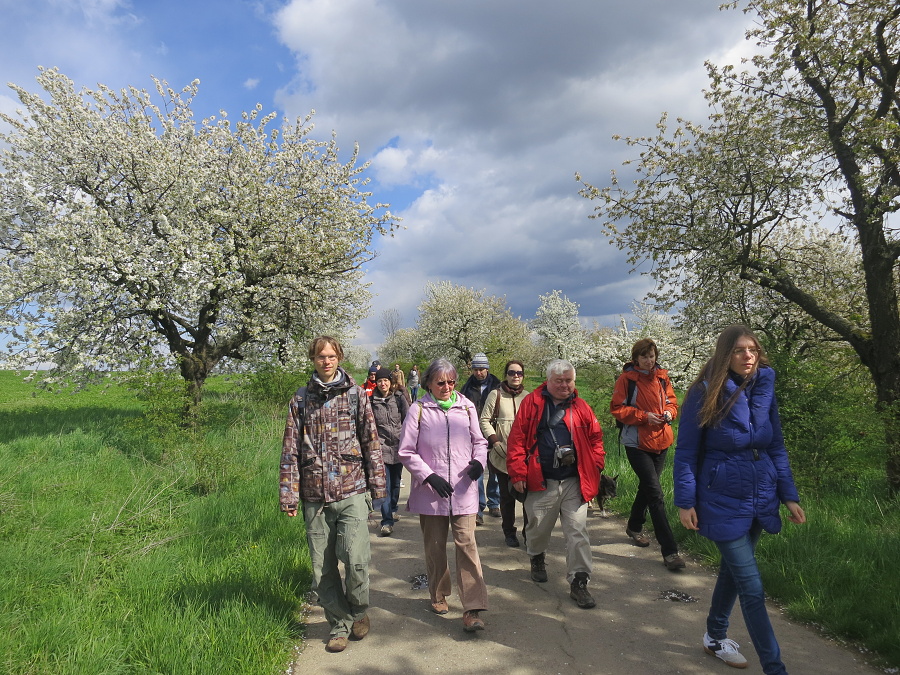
{"x": 116, "y": 563}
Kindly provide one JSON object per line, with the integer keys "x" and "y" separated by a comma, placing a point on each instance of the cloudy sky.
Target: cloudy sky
{"x": 475, "y": 114}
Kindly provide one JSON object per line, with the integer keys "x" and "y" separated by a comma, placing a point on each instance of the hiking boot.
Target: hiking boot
{"x": 336, "y": 643}
{"x": 580, "y": 593}
{"x": 494, "y": 512}
{"x": 640, "y": 538}
{"x": 479, "y": 518}
{"x": 472, "y": 622}
{"x": 673, "y": 562}
{"x": 440, "y": 606}
{"x": 360, "y": 628}
{"x": 512, "y": 541}
{"x": 386, "y": 531}
{"x": 538, "y": 568}
{"x": 725, "y": 649}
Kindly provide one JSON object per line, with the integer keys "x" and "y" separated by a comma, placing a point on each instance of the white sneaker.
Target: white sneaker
{"x": 726, "y": 649}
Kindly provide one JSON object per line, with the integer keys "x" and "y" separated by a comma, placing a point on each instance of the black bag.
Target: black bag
{"x": 519, "y": 496}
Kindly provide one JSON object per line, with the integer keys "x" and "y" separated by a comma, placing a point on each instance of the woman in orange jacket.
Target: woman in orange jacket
{"x": 644, "y": 402}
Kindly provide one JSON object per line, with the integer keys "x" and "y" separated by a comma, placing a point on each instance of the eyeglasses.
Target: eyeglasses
{"x": 515, "y": 373}
{"x": 444, "y": 383}
{"x": 742, "y": 350}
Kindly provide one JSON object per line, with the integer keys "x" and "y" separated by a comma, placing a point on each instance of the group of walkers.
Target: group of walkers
{"x": 492, "y": 444}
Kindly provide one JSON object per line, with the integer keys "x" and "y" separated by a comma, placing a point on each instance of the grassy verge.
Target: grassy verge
{"x": 117, "y": 564}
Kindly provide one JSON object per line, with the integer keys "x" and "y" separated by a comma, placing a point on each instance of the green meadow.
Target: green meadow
{"x": 129, "y": 545}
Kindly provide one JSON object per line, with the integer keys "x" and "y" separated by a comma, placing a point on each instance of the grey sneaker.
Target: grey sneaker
{"x": 386, "y": 531}
{"x": 673, "y": 562}
{"x": 640, "y": 538}
{"x": 726, "y": 649}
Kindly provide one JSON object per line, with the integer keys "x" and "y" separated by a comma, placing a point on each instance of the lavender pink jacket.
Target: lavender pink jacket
{"x": 434, "y": 441}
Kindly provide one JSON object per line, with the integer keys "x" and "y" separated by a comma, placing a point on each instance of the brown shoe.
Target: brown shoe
{"x": 640, "y": 538}
{"x": 472, "y": 622}
{"x": 440, "y": 606}
{"x": 337, "y": 643}
{"x": 494, "y": 512}
{"x": 360, "y": 628}
{"x": 673, "y": 562}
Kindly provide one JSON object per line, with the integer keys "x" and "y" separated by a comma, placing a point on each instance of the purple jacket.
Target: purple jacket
{"x": 434, "y": 441}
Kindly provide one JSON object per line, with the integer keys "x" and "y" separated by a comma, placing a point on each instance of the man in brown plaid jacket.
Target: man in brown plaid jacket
{"x": 331, "y": 468}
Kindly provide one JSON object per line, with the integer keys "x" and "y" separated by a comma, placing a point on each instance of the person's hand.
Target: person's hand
{"x": 475, "y": 470}
{"x": 796, "y": 514}
{"x": 653, "y": 418}
{"x": 519, "y": 486}
{"x": 440, "y": 485}
{"x": 688, "y": 518}
{"x": 291, "y": 512}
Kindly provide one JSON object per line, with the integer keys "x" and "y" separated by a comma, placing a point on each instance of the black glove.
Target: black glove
{"x": 475, "y": 469}
{"x": 440, "y": 485}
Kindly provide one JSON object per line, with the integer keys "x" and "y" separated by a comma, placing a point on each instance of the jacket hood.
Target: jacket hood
{"x": 345, "y": 383}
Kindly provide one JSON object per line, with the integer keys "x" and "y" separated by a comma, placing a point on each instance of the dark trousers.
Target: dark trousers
{"x": 507, "y": 503}
{"x": 649, "y": 466}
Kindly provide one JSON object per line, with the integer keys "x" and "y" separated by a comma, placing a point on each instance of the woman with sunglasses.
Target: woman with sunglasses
{"x": 497, "y": 417}
{"x": 442, "y": 448}
{"x": 731, "y": 476}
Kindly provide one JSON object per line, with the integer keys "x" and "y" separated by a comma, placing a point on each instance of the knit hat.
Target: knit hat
{"x": 373, "y": 369}
{"x": 480, "y": 361}
{"x": 382, "y": 373}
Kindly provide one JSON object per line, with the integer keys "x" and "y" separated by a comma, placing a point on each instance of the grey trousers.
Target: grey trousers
{"x": 338, "y": 531}
{"x": 562, "y": 499}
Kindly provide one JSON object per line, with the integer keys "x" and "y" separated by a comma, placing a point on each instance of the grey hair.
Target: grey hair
{"x": 558, "y": 367}
{"x": 438, "y": 367}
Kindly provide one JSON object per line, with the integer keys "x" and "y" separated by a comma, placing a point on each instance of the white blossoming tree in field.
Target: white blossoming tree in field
{"x": 561, "y": 333}
{"x": 131, "y": 234}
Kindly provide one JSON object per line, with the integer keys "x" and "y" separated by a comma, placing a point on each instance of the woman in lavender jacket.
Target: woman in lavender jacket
{"x": 442, "y": 448}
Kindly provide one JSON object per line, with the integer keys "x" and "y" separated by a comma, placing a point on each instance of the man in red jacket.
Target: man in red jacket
{"x": 555, "y": 451}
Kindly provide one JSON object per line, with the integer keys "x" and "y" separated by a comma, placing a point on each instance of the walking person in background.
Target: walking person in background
{"x": 413, "y": 383}
{"x": 398, "y": 376}
{"x": 390, "y": 407}
{"x": 445, "y": 454}
{"x": 555, "y": 452}
{"x": 644, "y": 402}
{"x": 369, "y": 384}
{"x": 481, "y": 383}
{"x": 731, "y": 475}
{"x": 496, "y": 420}
{"x": 330, "y": 459}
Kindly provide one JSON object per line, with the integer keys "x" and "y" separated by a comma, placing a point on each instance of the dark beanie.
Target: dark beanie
{"x": 382, "y": 373}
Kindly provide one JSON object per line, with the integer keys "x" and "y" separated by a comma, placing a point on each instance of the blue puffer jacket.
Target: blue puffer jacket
{"x": 745, "y": 473}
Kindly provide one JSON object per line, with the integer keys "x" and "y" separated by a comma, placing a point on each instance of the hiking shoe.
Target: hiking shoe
{"x": 360, "y": 628}
{"x": 512, "y": 541}
{"x": 479, "y": 518}
{"x": 395, "y": 515}
{"x": 386, "y": 531}
{"x": 336, "y": 643}
{"x": 726, "y": 649}
{"x": 494, "y": 512}
{"x": 580, "y": 593}
{"x": 440, "y": 606}
{"x": 673, "y": 562}
{"x": 538, "y": 568}
{"x": 640, "y": 538}
{"x": 472, "y": 622}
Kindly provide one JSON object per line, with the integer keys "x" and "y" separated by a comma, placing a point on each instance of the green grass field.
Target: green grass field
{"x": 131, "y": 546}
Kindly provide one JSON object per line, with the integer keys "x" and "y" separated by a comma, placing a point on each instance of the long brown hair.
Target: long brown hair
{"x": 715, "y": 374}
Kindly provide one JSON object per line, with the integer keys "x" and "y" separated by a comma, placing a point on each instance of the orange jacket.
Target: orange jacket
{"x": 653, "y": 393}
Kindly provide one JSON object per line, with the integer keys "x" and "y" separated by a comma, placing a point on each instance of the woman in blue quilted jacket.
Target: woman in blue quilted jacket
{"x": 731, "y": 476}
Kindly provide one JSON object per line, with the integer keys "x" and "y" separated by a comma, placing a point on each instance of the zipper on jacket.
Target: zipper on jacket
{"x": 447, "y": 420}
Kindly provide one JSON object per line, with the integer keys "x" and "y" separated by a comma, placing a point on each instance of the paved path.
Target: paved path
{"x": 536, "y": 629}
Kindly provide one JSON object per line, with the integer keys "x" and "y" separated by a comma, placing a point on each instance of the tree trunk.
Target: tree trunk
{"x": 194, "y": 370}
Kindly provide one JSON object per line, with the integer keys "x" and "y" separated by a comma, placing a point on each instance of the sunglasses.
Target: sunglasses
{"x": 515, "y": 373}
{"x": 444, "y": 383}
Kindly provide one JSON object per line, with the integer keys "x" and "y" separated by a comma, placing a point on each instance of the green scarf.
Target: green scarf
{"x": 445, "y": 405}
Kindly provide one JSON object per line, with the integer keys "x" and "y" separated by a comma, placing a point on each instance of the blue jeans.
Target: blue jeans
{"x": 739, "y": 577}
{"x": 393, "y": 473}
{"x": 492, "y": 498}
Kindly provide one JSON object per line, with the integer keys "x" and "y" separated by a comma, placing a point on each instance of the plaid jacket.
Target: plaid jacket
{"x": 334, "y": 456}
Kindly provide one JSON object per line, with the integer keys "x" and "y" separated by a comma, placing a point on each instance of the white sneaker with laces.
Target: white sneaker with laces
{"x": 726, "y": 649}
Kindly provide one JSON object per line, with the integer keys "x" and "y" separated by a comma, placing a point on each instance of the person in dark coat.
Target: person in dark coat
{"x": 481, "y": 383}
{"x": 390, "y": 408}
